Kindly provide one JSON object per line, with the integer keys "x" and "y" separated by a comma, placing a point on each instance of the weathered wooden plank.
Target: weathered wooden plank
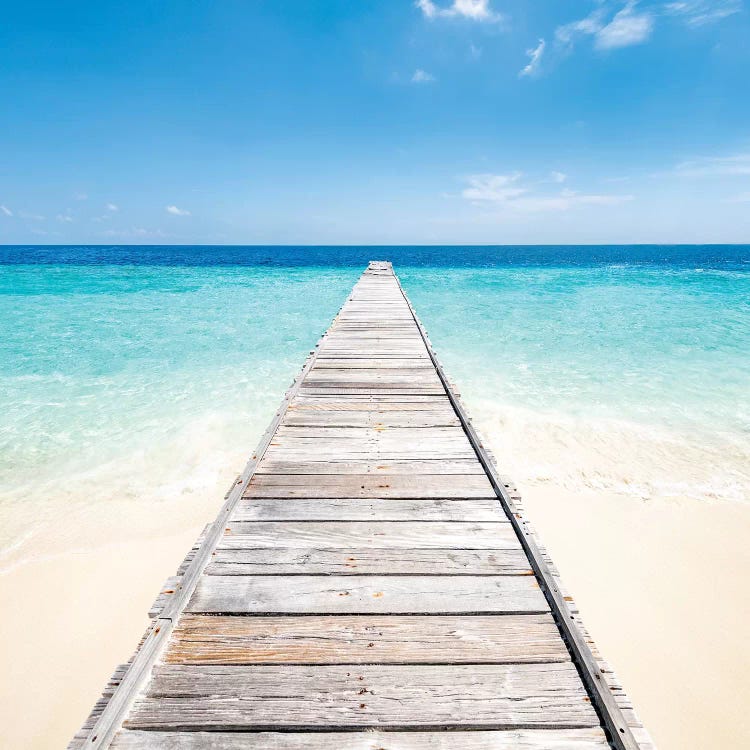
{"x": 371, "y": 389}
{"x": 359, "y": 418}
{"x": 352, "y": 451}
{"x": 370, "y": 509}
{"x": 375, "y": 445}
{"x": 394, "y": 383}
{"x": 369, "y": 485}
{"x": 343, "y": 383}
{"x": 378, "y": 364}
{"x": 375, "y": 402}
{"x": 376, "y": 534}
{"x": 262, "y": 697}
{"x": 522, "y": 739}
{"x": 412, "y": 374}
{"x": 327, "y": 594}
{"x": 364, "y": 561}
{"x": 373, "y": 348}
{"x": 363, "y": 639}
{"x": 375, "y": 439}
{"x": 405, "y": 434}
{"x": 428, "y": 467}
{"x": 364, "y": 337}
{"x": 398, "y": 449}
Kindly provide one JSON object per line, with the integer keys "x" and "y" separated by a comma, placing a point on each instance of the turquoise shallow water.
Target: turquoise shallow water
{"x": 130, "y": 373}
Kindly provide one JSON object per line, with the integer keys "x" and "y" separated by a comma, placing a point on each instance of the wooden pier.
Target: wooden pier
{"x": 370, "y": 582}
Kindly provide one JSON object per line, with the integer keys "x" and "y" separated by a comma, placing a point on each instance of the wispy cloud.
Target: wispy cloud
{"x": 177, "y": 211}
{"x": 422, "y": 76}
{"x": 80, "y": 196}
{"x": 475, "y": 52}
{"x": 6, "y": 211}
{"x": 135, "y": 233}
{"x": 497, "y": 188}
{"x": 535, "y": 59}
{"x": 111, "y": 208}
{"x": 735, "y": 165}
{"x": 569, "y": 33}
{"x": 65, "y": 218}
{"x": 508, "y": 192}
{"x": 703, "y": 12}
{"x": 626, "y": 27}
{"x": 31, "y": 217}
{"x": 558, "y": 176}
{"x": 741, "y": 198}
{"x": 475, "y": 10}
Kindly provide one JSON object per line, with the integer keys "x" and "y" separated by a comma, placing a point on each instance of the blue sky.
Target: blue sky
{"x": 334, "y": 121}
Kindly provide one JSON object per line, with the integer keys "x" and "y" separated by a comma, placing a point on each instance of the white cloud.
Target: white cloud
{"x": 568, "y": 33}
{"x": 112, "y": 207}
{"x": 67, "y": 218}
{"x": 535, "y": 59}
{"x": 474, "y": 52}
{"x": 576, "y": 198}
{"x": 715, "y": 166}
{"x": 703, "y": 12}
{"x": 6, "y": 210}
{"x": 31, "y": 217}
{"x": 507, "y": 193}
{"x": 558, "y": 176}
{"x": 741, "y": 198}
{"x": 428, "y": 8}
{"x": 135, "y": 232}
{"x": 80, "y": 196}
{"x": 626, "y": 28}
{"x": 177, "y": 211}
{"x": 493, "y": 187}
{"x": 475, "y": 10}
{"x": 421, "y": 76}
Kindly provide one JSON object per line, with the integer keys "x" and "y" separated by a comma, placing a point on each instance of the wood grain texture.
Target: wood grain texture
{"x": 369, "y": 485}
{"x": 330, "y": 594}
{"x": 376, "y": 534}
{"x": 375, "y": 403}
{"x": 482, "y": 696}
{"x": 369, "y": 509}
{"x": 364, "y": 561}
{"x": 363, "y": 639}
{"x": 522, "y": 739}
{"x": 433, "y": 467}
{"x": 361, "y": 418}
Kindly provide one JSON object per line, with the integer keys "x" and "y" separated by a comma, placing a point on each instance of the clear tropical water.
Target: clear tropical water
{"x": 134, "y": 374}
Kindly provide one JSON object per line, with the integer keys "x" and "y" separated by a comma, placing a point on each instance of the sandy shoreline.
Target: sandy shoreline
{"x": 665, "y": 599}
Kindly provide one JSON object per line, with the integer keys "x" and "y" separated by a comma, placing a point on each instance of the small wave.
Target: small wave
{"x": 626, "y": 458}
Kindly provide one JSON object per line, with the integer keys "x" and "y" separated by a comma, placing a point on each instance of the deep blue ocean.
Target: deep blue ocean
{"x": 137, "y": 372}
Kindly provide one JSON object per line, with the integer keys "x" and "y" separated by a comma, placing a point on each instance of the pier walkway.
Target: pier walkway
{"x": 370, "y": 583}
